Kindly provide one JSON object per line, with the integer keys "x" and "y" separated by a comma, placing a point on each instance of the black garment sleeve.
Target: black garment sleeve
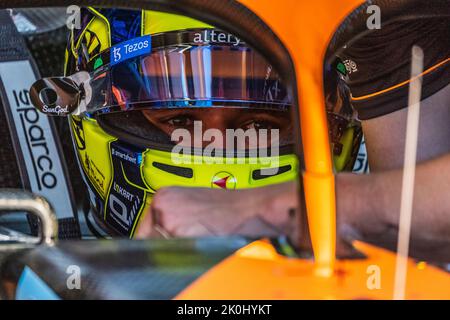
{"x": 379, "y": 64}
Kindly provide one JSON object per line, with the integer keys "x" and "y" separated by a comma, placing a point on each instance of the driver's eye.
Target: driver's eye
{"x": 181, "y": 121}
{"x": 259, "y": 125}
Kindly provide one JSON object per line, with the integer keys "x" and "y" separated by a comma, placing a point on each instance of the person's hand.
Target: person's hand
{"x": 262, "y": 212}
{"x": 195, "y": 212}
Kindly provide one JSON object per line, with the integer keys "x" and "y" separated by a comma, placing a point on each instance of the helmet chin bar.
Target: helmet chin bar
{"x": 62, "y": 96}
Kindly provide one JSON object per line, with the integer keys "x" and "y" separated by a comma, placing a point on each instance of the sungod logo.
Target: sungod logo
{"x": 56, "y": 110}
{"x": 214, "y": 36}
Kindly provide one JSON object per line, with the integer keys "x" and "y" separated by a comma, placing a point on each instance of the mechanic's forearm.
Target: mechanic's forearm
{"x": 283, "y": 198}
{"x": 371, "y": 203}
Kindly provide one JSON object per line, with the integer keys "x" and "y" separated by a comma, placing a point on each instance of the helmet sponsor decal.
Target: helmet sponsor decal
{"x": 78, "y": 133}
{"x": 127, "y": 194}
{"x": 224, "y": 180}
{"x": 131, "y": 49}
{"x": 132, "y": 157}
{"x": 212, "y": 36}
{"x": 95, "y": 175}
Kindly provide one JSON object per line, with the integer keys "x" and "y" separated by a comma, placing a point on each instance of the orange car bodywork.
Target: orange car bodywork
{"x": 257, "y": 271}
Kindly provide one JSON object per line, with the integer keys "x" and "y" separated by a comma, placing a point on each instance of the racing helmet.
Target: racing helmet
{"x": 135, "y": 78}
{"x": 127, "y": 73}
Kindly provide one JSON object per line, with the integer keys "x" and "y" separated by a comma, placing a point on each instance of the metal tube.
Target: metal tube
{"x": 18, "y": 200}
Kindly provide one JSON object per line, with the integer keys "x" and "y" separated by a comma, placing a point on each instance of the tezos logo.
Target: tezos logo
{"x": 116, "y": 54}
{"x": 130, "y": 49}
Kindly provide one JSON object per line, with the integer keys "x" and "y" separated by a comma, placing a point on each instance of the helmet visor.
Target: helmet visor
{"x": 189, "y": 75}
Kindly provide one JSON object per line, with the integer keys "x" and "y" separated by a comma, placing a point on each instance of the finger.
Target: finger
{"x": 194, "y": 230}
{"x": 345, "y": 250}
{"x": 148, "y": 230}
{"x": 158, "y": 228}
{"x": 145, "y": 226}
{"x": 159, "y": 232}
{"x": 151, "y": 226}
{"x": 344, "y": 247}
{"x": 157, "y": 215}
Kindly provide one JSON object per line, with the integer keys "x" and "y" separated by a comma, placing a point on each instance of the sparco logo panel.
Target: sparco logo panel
{"x": 35, "y": 140}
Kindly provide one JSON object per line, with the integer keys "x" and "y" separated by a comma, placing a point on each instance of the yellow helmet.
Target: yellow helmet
{"x": 123, "y": 65}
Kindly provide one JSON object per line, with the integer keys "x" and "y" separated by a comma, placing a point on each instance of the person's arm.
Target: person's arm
{"x": 371, "y": 203}
{"x": 196, "y": 212}
{"x": 367, "y": 204}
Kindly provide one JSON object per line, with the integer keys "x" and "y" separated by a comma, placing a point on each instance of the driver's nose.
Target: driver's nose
{"x": 215, "y": 124}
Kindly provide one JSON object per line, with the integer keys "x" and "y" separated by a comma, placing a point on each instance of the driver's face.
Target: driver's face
{"x": 223, "y": 119}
